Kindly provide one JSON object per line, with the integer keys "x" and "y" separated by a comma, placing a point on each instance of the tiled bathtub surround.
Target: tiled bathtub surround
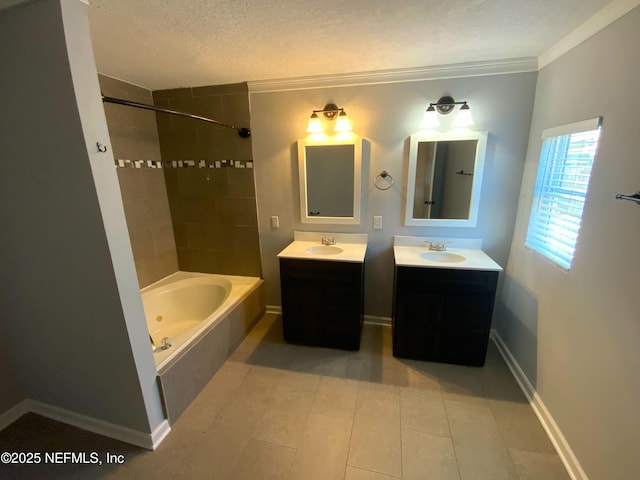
{"x": 213, "y": 210}
{"x": 126, "y": 163}
{"x": 184, "y": 138}
{"x": 214, "y": 220}
{"x": 149, "y": 222}
{"x": 134, "y": 135}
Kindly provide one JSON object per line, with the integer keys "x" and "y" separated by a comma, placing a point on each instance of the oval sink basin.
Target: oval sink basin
{"x": 443, "y": 257}
{"x": 324, "y": 250}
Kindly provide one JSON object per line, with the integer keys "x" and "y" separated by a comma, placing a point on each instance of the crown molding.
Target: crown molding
{"x": 469, "y": 69}
{"x": 595, "y": 24}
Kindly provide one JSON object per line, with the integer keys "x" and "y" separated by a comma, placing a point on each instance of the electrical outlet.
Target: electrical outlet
{"x": 275, "y": 221}
{"x": 377, "y": 222}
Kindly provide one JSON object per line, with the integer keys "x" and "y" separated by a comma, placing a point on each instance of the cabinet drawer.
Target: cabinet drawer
{"x": 443, "y": 280}
{"x": 344, "y": 273}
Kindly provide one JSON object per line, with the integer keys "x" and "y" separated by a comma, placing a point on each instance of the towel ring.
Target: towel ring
{"x": 382, "y": 176}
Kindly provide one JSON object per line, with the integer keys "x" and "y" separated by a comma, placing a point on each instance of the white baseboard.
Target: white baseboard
{"x": 127, "y": 435}
{"x": 277, "y": 309}
{"x": 558, "y": 440}
{"x": 160, "y": 433}
{"x": 370, "y": 319}
{"x": 13, "y": 414}
{"x": 373, "y": 320}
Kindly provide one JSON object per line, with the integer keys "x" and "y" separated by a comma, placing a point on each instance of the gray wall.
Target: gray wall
{"x": 70, "y": 305}
{"x": 386, "y": 115}
{"x": 576, "y": 333}
{"x": 134, "y": 136}
{"x": 11, "y": 393}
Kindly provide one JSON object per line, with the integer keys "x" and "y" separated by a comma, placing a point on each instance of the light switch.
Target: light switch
{"x": 275, "y": 221}
{"x": 377, "y": 222}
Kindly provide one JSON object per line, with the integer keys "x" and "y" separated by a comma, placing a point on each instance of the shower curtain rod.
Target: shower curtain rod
{"x": 243, "y": 132}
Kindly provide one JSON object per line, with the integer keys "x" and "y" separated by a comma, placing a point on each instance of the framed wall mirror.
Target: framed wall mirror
{"x": 330, "y": 180}
{"x": 444, "y": 179}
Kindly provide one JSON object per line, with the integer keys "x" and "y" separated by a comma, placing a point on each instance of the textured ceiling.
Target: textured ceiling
{"x": 173, "y": 43}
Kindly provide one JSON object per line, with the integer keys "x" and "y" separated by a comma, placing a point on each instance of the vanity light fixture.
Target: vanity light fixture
{"x": 314, "y": 124}
{"x": 444, "y": 106}
{"x": 464, "y": 117}
{"x": 430, "y": 119}
{"x": 330, "y": 112}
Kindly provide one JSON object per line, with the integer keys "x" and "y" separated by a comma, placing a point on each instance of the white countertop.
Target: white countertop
{"x": 475, "y": 259}
{"x": 353, "y": 246}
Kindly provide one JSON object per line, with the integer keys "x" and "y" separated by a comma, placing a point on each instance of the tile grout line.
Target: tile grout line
{"x": 504, "y": 441}
{"x": 453, "y": 444}
{"x": 402, "y": 474}
{"x": 353, "y": 423}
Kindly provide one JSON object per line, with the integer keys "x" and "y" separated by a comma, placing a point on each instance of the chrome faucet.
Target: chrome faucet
{"x": 165, "y": 344}
{"x": 437, "y": 246}
{"x": 327, "y": 240}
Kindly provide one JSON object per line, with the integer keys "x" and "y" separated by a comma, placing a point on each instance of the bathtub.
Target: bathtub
{"x": 205, "y": 318}
{"x": 185, "y": 305}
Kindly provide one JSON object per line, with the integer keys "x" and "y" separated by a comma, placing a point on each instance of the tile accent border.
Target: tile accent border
{"x": 125, "y": 163}
{"x": 560, "y": 443}
{"x": 150, "y": 441}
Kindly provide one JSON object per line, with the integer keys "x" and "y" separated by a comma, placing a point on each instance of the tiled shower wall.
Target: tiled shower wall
{"x": 134, "y": 137}
{"x": 209, "y": 178}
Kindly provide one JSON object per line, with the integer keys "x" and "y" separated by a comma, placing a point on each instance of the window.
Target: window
{"x": 561, "y": 189}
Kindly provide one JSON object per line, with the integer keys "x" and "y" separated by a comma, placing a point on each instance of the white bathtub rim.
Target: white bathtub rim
{"x": 218, "y": 282}
{"x": 183, "y": 275}
{"x": 192, "y": 335}
{"x": 168, "y": 287}
{"x": 241, "y": 288}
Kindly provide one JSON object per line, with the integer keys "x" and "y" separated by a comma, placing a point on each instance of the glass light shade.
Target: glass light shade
{"x": 463, "y": 119}
{"x": 342, "y": 123}
{"x": 430, "y": 119}
{"x": 314, "y": 125}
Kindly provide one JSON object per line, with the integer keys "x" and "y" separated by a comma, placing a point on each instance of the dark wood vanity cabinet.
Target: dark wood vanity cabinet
{"x": 443, "y": 315}
{"x": 322, "y": 302}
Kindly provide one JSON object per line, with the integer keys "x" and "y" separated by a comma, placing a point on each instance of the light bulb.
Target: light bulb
{"x": 463, "y": 119}
{"x": 342, "y": 123}
{"x": 314, "y": 125}
{"x": 430, "y": 119}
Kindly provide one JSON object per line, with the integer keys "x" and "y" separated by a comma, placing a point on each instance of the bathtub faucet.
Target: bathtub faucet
{"x": 165, "y": 344}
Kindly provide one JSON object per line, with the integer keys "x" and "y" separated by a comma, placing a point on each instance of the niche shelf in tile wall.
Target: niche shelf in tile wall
{"x": 125, "y": 163}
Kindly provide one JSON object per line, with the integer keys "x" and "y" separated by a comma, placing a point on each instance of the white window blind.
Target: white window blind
{"x": 563, "y": 176}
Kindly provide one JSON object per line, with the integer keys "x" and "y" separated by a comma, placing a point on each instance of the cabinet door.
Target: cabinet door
{"x": 322, "y": 302}
{"x": 342, "y": 318}
{"x": 464, "y": 331}
{"x": 301, "y": 311}
{"x": 416, "y": 325}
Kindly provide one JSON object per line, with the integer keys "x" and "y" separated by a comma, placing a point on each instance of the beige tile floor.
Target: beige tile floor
{"x": 276, "y": 410}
